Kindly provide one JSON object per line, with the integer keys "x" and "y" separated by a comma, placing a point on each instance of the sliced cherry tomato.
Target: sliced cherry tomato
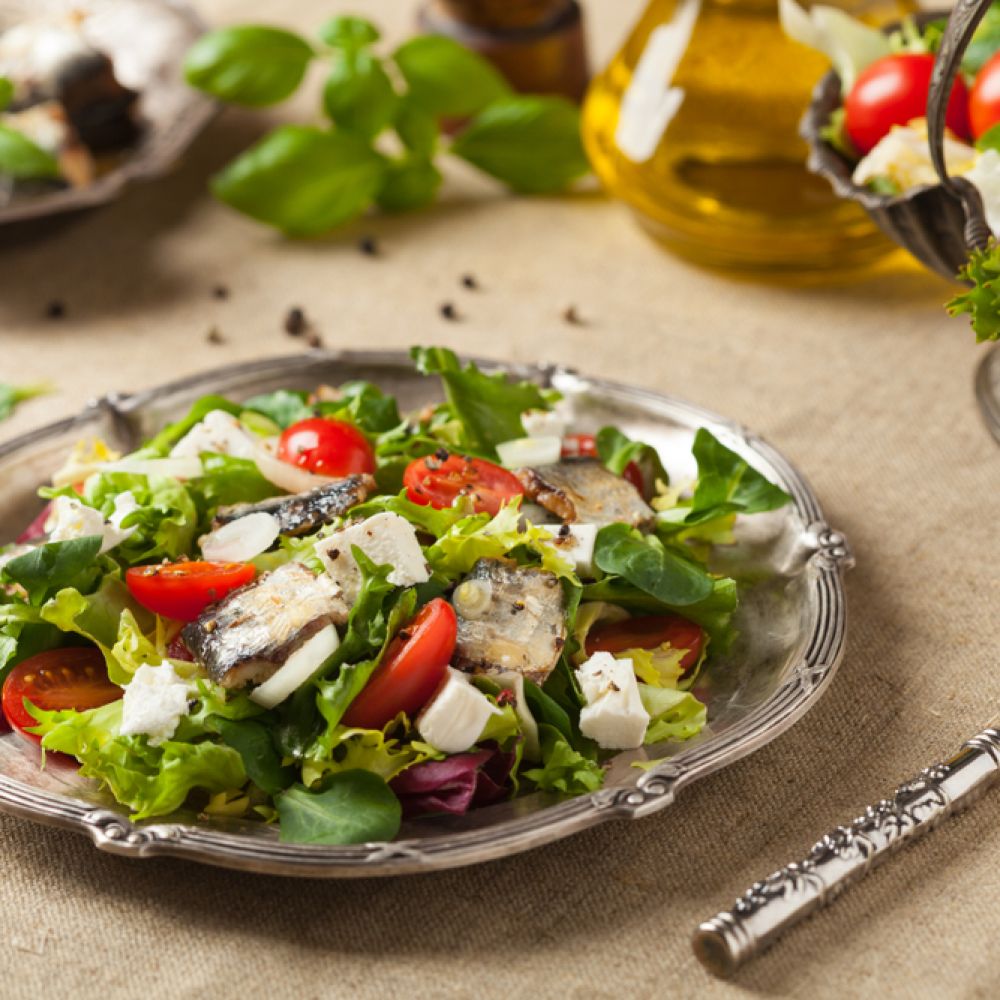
{"x": 585, "y": 446}
{"x": 414, "y": 665}
{"x": 439, "y": 479}
{"x": 326, "y": 447}
{"x": 984, "y": 101}
{"x": 182, "y": 590}
{"x": 648, "y": 632}
{"x": 74, "y": 677}
{"x": 893, "y": 91}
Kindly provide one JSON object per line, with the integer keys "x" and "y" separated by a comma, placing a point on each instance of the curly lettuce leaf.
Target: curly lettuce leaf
{"x": 227, "y": 480}
{"x": 151, "y": 781}
{"x": 488, "y": 407}
{"x": 673, "y": 715}
{"x": 364, "y": 405}
{"x": 563, "y": 769}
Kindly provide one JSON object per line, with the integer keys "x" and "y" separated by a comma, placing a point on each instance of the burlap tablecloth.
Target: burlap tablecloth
{"x": 867, "y": 388}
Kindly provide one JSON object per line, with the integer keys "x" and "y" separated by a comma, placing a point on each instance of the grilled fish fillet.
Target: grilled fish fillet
{"x": 582, "y": 489}
{"x": 304, "y": 513}
{"x": 519, "y": 623}
{"x": 253, "y": 630}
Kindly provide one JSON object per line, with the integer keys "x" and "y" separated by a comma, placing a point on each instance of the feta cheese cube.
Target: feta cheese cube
{"x": 544, "y": 423}
{"x": 217, "y": 432}
{"x": 454, "y": 718}
{"x": 154, "y": 702}
{"x": 614, "y": 715}
{"x": 71, "y": 518}
{"x": 529, "y": 451}
{"x": 384, "y": 538}
{"x": 576, "y": 541}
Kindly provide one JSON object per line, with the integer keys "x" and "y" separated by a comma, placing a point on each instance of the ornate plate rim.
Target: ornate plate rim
{"x": 654, "y": 790}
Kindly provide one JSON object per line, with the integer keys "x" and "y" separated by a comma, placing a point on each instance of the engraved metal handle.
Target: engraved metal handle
{"x": 962, "y": 23}
{"x": 846, "y": 855}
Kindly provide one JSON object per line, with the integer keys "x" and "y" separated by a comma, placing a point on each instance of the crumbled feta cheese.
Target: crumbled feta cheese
{"x": 544, "y": 423}
{"x": 154, "y": 702}
{"x": 454, "y": 718}
{"x": 578, "y": 544}
{"x": 903, "y": 157}
{"x": 217, "y": 432}
{"x": 614, "y": 715}
{"x": 386, "y": 539}
{"x": 71, "y": 518}
{"x": 529, "y": 451}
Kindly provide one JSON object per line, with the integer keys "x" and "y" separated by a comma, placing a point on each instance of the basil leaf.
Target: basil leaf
{"x": 251, "y": 739}
{"x": 489, "y": 407}
{"x": 417, "y": 129}
{"x": 409, "y": 184}
{"x": 302, "y": 180}
{"x": 11, "y": 395}
{"x": 49, "y": 568}
{"x": 22, "y": 159}
{"x": 727, "y": 480}
{"x": 616, "y": 451}
{"x": 532, "y": 144}
{"x": 347, "y": 32}
{"x": 283, "y": 406}
{"x": 249, "y": 64}
{"x": 648, "y": 564}
{"x": 446, "y": 78}
{"x": 353, "y": 807}
{"x": 6, "y": 92}
{"x": 358, "y": 95}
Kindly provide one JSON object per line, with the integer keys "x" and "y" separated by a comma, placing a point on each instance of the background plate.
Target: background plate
{"x": 147, "y": 41}
{"x": 791, "y": 625}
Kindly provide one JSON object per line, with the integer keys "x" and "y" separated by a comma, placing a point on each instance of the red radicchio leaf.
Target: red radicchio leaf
{"x": 455, "y": 784}
{"x": 36, "y": 529}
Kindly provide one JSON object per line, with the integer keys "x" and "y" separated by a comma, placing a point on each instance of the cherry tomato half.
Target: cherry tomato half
{"x": 326, "y": 447}
{"x": 893, "y": 91}
{"x": 74, "y": 677}
{"x": 438, "y": 481}
{"x": 414, "y": 665}
{"x": 984, "y": 101}
{"x": 585, "y": 446}
{"x": 648, "y": 632}
{"x": 182, "y": 590}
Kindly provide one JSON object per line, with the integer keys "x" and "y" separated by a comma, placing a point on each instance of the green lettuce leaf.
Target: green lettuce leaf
{"x": 489, "y": 407}
{"x": 161, "y": 444}
{"x": 151, "y": 781}
{"x": 674, "y": 715}
{"x": 616, "y": 451}
{"x": 283, "y": 406}
{"x": 352, "y": 807}
{"x": 48, "y": 568}
{"x": 364, "y": 405}
{"x": 563, "y": 769}
{"x": 226, "y": 480}
{"x": 252, "y": 740}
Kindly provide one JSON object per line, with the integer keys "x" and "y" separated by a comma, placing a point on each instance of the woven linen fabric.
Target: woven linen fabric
{"x": 866, "y": 387}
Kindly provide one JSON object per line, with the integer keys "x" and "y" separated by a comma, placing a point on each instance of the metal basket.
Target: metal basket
{"x": 940, "y": 223}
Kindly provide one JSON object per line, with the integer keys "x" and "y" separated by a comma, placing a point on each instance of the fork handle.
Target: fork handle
{"x": 846, "y": 855}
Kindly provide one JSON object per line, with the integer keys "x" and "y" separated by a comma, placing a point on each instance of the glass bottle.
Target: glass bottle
{"x": 694, "y": 124}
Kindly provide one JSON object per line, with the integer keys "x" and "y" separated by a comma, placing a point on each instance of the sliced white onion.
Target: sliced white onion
{"x": 175, "y": 468}
{"x": 529, "y": 451}
{"x": 288, "y": 477}
{"x": 298, "y": 668}
{"x": 242, "y": 539}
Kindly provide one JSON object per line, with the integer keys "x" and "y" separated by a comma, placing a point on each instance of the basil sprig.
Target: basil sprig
{"x": 306, "y": 180}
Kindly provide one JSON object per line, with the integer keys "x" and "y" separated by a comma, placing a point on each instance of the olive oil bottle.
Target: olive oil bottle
{"x": 694, "y": 124}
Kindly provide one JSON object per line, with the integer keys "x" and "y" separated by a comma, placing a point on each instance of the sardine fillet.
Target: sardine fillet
{"x": 253, "y": 630}
{"x": 522, "y": 629}
{"x": 305, "y": 513}
{"x": 582, "y": 489}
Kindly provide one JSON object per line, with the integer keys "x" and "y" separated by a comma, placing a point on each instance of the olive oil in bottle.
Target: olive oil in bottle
{"x": 694, "y": 124}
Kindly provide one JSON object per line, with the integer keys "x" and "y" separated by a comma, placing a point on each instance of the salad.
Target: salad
{"x": 881, "y": 127}
{"x": 308, "y": 609}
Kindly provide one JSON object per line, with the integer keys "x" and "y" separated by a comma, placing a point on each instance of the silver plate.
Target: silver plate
{"x": 147, "y": 41}
{"x": 791, "y": 623}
